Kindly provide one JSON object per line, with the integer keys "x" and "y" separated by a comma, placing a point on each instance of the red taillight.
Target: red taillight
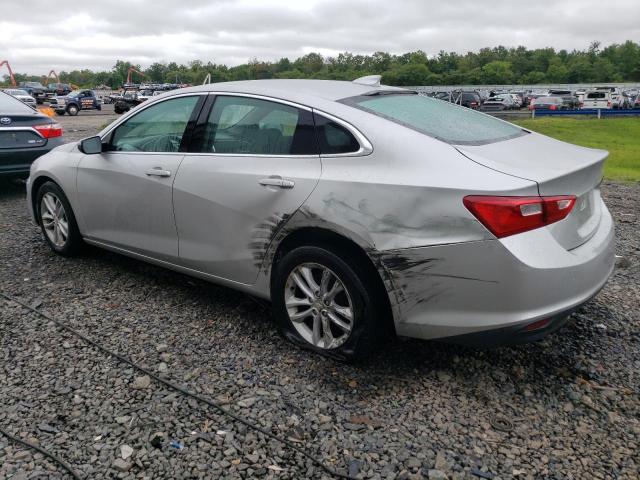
{"x": 552, "y": 107}
{"x": 49, "y": 130}
{"x": 504, "y": 216}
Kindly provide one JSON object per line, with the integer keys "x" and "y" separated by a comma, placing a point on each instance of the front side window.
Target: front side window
{"x": 251, "y": 126}
{"x": 441, "y": 120}
{"x": 158, "y": 128}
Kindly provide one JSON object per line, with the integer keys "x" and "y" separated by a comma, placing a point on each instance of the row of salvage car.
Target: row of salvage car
{"x": 605, "y": 97}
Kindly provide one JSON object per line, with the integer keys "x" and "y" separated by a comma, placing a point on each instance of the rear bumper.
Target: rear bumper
{"x": 17, "y": 162}
{"x": 491, "y": 290}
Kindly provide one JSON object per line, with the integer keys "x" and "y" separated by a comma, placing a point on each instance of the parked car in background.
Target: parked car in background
{"x": 25, "y": 134}
{"x": 535, "y": 94}
{"x": 615, "y": 96}
{"x": 597, "y": 99}
{"x": 498, "y": 103}
{"x": 569, "y": 98}
{"x": 517, "y": 100}
{"x": 75, "y": 102}
{"x": 470, "y": 229}
{"x": 59, "y": 89}
{"x": 627, "y": 100}
{"x": 548, "y": 103}
{"x": 636, "y": 102}
{"x": 524, "y": 100}
{"x": 467, "y": 99}
{"x": 129, "y": 99}
{"x": 22, "y": 95}
{"x": 35, "y": 89}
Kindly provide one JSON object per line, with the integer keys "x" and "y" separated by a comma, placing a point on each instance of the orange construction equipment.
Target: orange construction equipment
{"x": 53, "y": 74}
{"x": 11, "y": 77}
{"x": 131, "y": 70}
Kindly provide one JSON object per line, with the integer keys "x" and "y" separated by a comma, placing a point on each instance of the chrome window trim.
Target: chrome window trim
{"x": 365, "y": 145}
{"x": 22, "y": 129}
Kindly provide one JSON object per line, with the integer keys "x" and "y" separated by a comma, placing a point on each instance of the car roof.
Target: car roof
{"x": 297, "y": 90}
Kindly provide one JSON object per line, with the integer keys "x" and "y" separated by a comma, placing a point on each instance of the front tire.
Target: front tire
{"x": 57, "y": 221}
{"x": 72, "y": 110}
{"x": 325, "y": 302}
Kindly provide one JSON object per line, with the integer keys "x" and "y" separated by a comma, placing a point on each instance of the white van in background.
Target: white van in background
{"x": 617, "y": 100}
{"x": 597, "y": 99}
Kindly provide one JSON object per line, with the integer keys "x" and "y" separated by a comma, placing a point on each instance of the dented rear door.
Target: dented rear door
{"x": 251, "y": 173}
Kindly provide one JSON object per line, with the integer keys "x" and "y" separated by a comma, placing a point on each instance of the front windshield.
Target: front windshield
{"x": 74, "y": 94}
{"x": 442, "y": 120}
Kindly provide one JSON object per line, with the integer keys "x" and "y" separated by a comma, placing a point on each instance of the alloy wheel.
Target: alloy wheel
{"x": 54, "y": 219}
{"x": 319, "y": 305}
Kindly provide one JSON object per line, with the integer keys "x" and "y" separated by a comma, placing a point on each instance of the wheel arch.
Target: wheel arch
{"x": 341, "y": 246}
{"x": 35, "y": 187}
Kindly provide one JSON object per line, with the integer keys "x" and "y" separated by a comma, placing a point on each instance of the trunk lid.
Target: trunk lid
{"x": 558, "y": 168}
{"x": 16, "y": 130}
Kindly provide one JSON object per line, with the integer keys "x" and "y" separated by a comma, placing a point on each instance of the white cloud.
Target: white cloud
{"x": 94, "y": 35}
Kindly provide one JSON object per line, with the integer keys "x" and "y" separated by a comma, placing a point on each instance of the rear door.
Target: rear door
{"x": 255, "y": 161}
{"x": 125, "y": 192}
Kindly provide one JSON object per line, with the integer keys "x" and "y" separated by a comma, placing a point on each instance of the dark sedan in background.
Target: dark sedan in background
{"x": 548, "y": 103}
{"x": 25, "y": 134}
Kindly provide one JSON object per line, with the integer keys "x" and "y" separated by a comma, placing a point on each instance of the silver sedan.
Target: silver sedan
{"x": 22, "y": 95}
{"x": 361, "y": 211}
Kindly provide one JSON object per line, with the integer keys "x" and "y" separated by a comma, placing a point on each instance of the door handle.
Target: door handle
{"x": 158, "y": 172}
{"x": 277, "y": 181}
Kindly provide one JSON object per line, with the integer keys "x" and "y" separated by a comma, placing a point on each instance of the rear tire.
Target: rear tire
{"x": 57, "y": 221}
{"x": 342, "y": 317}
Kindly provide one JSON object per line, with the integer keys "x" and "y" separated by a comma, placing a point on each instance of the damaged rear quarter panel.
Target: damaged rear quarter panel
{"x": 406, "y": 194}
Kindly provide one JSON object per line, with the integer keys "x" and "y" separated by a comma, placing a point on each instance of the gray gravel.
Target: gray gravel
{"x": 567, "y": 407}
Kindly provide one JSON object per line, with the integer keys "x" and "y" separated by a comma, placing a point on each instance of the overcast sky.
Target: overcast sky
{"x": 39, "y": 35}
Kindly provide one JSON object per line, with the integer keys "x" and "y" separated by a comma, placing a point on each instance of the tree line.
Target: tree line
{"x": 488, "y": 66}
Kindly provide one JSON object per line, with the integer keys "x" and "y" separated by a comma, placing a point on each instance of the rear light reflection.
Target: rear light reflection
{"x": 505, "y": 216}
{"x": 49, "y": 130}
{"x": 537, "y": 325}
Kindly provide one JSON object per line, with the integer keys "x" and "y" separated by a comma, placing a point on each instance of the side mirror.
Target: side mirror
{"x": 91, "y": 145}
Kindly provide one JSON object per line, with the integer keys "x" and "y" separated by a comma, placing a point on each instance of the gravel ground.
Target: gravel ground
{"x": 86, "y": 123}
{"x": 567, "y": 407}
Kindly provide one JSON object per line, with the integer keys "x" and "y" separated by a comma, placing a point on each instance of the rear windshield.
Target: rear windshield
{"x": 596, "y": 95}
{"x": 442, "y": 120}
{"x": 10, "y": 105}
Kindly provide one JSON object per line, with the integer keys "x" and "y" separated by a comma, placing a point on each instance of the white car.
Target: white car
{"x": 615, "y": 94}
{"x": 599, "y": 99}
{"x": 22, "y": 95}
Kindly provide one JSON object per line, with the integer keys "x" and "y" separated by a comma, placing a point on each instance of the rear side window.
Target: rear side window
{"x": 442, "y": 120}
{"x": 334, "y": 138}
{"x": 252, "y": 126}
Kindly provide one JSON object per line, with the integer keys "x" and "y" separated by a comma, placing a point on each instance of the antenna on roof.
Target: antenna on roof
{"x": 371, "y": 80}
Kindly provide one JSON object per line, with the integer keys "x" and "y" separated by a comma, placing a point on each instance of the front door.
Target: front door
{"x": 125, "y": 193}
{"x": 256, "y": 164}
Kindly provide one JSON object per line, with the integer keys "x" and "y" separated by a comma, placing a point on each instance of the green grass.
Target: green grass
{"x": 620, "y": 136}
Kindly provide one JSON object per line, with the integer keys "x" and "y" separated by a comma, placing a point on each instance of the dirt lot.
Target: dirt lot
{"x": 567, "y": 407}
{"x": 86, "y": 123}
